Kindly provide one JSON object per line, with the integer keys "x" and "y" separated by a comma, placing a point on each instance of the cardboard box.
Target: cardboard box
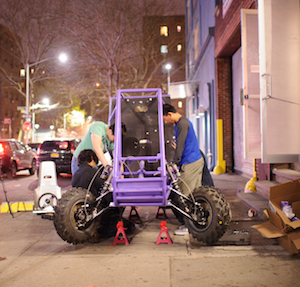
{"x": 279, "y": 226}
{"x": 290, "y": 192}
{"x": 274, "y": 229}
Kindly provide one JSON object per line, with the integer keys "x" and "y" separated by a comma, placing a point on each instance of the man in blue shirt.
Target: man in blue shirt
{"x": 187, "y": 153}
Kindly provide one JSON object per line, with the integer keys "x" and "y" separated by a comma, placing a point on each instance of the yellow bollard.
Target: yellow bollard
{"x": 221, "y": 164}
{"x": 250, "y": 186}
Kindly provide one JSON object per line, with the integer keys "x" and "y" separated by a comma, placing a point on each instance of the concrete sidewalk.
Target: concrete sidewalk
{"x": 32, "y": 254}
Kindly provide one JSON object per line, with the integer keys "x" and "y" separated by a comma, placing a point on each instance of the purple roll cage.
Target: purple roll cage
{"x": 147, "y": 188}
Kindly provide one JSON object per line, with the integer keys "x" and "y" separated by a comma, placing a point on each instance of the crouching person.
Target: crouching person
{"x": 87, "y": 162}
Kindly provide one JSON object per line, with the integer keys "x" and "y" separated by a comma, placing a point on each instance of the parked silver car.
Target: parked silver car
{"x": 15, "y": 156}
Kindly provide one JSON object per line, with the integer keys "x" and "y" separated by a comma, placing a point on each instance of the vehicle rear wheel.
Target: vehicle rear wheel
{"x": 72, "y": 214}
{"x": 12, "y": 173}
{"x": 211, "y": 215}
{"x": 33, "y": 167}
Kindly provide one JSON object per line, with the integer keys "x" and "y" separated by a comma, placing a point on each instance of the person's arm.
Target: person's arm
{"x": 182, "y": 128}
{"x": 97, "y": 145}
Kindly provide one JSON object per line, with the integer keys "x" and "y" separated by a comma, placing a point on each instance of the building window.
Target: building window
{"x": 22, "y": 73}
{"x": 179, "y": 47}
{"x": 178, "y": 28}
{"x": 164, "y": 49}
{"x": 164, "y": 31}
{"x": 180, "y": 105}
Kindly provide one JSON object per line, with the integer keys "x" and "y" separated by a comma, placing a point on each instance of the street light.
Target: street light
{"x": 62, "y": 58}
{"x": 168, "y": 67}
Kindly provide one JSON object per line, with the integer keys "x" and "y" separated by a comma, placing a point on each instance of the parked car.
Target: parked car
{"x": 34, "y": 146}
{"x": 58, "y": 150}
{"x": 15, "y": 156}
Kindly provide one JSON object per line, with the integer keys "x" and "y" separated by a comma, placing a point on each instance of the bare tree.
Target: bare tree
{"x": 113, "y": 50}
{"x": 109, "y": 47}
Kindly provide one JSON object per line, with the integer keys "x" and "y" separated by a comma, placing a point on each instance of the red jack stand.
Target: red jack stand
{"x": 163, "y": 228}
{"x": 135, "y": 216}
{"x": 158, "y": 214}
{"x": 121, "y": 235}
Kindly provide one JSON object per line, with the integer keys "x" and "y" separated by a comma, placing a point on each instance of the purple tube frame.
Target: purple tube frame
{"x": 139, "y": 191}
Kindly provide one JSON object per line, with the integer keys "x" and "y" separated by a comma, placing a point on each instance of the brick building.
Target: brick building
{"x": 10, "y": 98}
{"x": 229, "y": 81}
{"x": 164, "y": 43}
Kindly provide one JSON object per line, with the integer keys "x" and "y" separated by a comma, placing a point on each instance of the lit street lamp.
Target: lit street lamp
{"x": 168, "y": 67}
{"x": 62, "y": 57}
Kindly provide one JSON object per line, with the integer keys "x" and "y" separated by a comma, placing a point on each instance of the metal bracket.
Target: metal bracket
{"x": 268, "y": 83}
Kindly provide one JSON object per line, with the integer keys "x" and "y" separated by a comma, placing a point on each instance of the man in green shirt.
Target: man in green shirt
{"x": 99, "y": 138}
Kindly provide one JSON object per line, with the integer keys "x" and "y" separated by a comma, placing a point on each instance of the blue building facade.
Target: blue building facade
{"x": 200, "y": 74}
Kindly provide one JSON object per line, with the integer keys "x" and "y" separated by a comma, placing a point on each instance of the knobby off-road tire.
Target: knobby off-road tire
{"x": 70, "y": 214}
{"x": 214, "y": 221}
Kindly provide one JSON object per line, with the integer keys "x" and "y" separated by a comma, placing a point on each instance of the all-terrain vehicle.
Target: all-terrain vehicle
{"x": 142, "y": 175}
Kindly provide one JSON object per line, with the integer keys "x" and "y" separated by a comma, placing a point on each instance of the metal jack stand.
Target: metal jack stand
{"x": 4, "y": 190}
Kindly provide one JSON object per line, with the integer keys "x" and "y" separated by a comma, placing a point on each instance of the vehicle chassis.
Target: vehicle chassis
{"x": 206, "y": 212}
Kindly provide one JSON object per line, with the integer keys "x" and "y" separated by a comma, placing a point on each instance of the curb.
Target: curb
{"x": 17, "y": 206}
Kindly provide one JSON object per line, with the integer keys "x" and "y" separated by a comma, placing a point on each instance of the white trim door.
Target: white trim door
{"x": 279, "y": 50}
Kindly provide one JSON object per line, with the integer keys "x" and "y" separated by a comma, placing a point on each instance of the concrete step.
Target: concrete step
{"x": 255, "y": 201}
{"x": 285, "y": 175}
{"x": 263, "y": 187}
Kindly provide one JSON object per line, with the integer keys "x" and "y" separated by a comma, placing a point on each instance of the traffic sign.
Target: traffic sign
{"x": 26, "y": 126}
{"x": 26, "y": 116}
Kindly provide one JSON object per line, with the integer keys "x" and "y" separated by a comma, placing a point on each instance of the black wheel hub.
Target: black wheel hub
{"x": 201, "y": 214}
{"x": 81, "y": 217}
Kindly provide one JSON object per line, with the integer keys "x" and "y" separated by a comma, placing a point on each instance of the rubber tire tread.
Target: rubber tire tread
{"x": 12, "y": 173}
{"x": 33, "y": 167}
{"x": 61, "y": 219}
{"x": 221, "y": 215}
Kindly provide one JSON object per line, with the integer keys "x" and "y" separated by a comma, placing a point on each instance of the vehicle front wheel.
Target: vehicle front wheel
{"x": 211, "y": 213}
{"x": 33, "y": 167}
{"x": 72, "y": 214}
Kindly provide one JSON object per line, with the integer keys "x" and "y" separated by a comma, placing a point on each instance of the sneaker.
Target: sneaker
{"x": 182, "y": 230}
